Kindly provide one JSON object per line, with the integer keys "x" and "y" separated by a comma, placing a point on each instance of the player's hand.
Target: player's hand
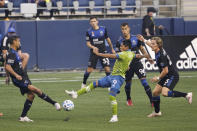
{"x": 113, "y": 51}
{"x": 154, "y": 79}
{"x": 18, "y": 77}
{"x": 151, "y": 61}
{"x": 95, "y": 50}
{"x": 140, "y": 37}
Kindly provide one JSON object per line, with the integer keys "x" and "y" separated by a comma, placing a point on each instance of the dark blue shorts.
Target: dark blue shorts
{"x": 22, "y": 85}
{"x": 169, "y": 81}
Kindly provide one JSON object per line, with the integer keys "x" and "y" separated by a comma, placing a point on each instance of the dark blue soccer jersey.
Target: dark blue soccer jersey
{"x": 135, "y": 45}
{"x": 97, "y": 38}
{"x": 163, "y": 60}
{"x": 14, "y": 60}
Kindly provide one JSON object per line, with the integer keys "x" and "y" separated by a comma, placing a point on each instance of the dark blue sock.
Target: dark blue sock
{"x": 85, "y": 77}
{"x": 26, "y": 108}
{"x": 156, "y": 102}
{"x": 128, "y": 90}
{"x": 147, "y": 89}
{"x": 176, "y": 94}
{"x": 107, "y": 73}
{"x": 47, "y": 99}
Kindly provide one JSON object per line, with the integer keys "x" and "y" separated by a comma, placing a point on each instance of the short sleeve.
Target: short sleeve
{"x": 163, "y": 61}
{"x": 87, "y": 36}
{"x": 10, "y": 58}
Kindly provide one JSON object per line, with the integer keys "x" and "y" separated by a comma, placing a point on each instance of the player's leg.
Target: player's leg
{"x": 116, "y": 83}
{"x": 106, "y": 65}
{"x": 44, "y": 96}
{"x": 156, "y": 101}
{"x": 140, "y": 72}
{"x": 168, "y": 91}
{"x": 27, "y": 106}
{"x": 103, "y": 82}
{"x": 91, "y": 66}
{"x": 128, "y": 80}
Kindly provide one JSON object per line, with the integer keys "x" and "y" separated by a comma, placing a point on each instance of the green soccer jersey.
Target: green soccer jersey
{"x": 122, "y": 63}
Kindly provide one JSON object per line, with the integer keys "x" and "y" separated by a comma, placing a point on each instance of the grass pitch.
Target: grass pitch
{"x": 92, "y": 111}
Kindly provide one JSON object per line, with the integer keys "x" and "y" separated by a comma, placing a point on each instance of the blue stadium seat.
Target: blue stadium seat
{"x": 99, "y": 3}
{"x": 115, "y": 2}
{"x": 130, "y": 3}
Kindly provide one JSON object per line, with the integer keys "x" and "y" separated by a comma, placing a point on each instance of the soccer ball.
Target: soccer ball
{"x": 68, "y": 105}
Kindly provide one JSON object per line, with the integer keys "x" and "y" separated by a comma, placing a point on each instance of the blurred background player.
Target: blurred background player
{"x": 148, "y": 26}
{"x": 95, "y": 37}
{"x": 136, "y": 65}
{"x": 3, "y": 4}
{"x": 1, "y": 114}
{"x": 5, "y": 45}
{"x": 168, "y": 77}
{"x": 115, "y": 80}
{"x": 21, "y": 80}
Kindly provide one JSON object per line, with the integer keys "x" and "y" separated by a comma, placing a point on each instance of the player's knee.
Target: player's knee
{"x": 155, "y": 93}
{"x": 165, "y": 92}
{"x": 31, "y": 96}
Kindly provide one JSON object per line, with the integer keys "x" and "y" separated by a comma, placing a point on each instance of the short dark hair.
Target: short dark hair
{"x": 12, "y": 38}
{"x": 124, "y": 24}
{"x": 151, "y": 9}
{"x": 127, "y": 43}
{"x": 93, "y": 17}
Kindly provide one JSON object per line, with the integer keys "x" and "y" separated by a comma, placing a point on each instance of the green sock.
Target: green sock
{"x": 86, "y": 89}
{"x": 114, "y": 105}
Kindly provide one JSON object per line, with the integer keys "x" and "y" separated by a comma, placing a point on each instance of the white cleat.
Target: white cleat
{"x": 83, "y": 86}
{"x": 189, "y": 97}
{"x": 114, "y": 118}
{"x": 154, "y": 114}
{"x": 73, "y": 94}
{"x": 57, "y": 106}
{"x": 25, "y": 119}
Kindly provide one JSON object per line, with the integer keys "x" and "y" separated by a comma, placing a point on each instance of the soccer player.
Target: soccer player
{"x": 168, "y": 77}
{"x": 115, "y": 80}
{"x": 95, "y": 37}
{"x": 5, "y": 45}
{"x": 21, "y": 80}
{"x": 136, "y": 66}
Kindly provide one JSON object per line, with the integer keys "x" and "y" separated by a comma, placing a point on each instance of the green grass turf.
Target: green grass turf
{"x": 92, "y": 111}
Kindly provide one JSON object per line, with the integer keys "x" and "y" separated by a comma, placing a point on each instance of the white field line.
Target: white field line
{"x": 76, "y": 79}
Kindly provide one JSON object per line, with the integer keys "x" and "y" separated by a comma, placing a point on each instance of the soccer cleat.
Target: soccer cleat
{"x": 189, "y": 97}
{"x": 25, "y": 119}
{"x": 73, "y": 94}
{"x": 57, "y": 106}
{"x": 83, "y": 86}
{"x": 129, "y": 102}
{"x": 154, "y": 114}
{"x": 114, "y": 118}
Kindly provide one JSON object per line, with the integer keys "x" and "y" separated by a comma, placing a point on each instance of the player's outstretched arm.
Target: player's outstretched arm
{"x": 11, "y": 71}
{"x": 141, "y": 38}
{"x": 111, "y": 46}
{"x": 113, "y": 56}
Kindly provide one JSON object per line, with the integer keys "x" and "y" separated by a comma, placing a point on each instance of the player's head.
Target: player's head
{"x": 151, "y": 11}
{"x": 156, "y": 43}
{"x": 15, "y": 41}
{"x": 93, "y": 21}
{"x": 125, "y": 29}
{"x": 126, "y": 44}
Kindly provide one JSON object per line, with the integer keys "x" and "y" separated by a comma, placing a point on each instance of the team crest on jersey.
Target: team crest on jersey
{"x": 92, "y": 33}
{"x": 134, "y": 42}
{"x": 101, "y": 33}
